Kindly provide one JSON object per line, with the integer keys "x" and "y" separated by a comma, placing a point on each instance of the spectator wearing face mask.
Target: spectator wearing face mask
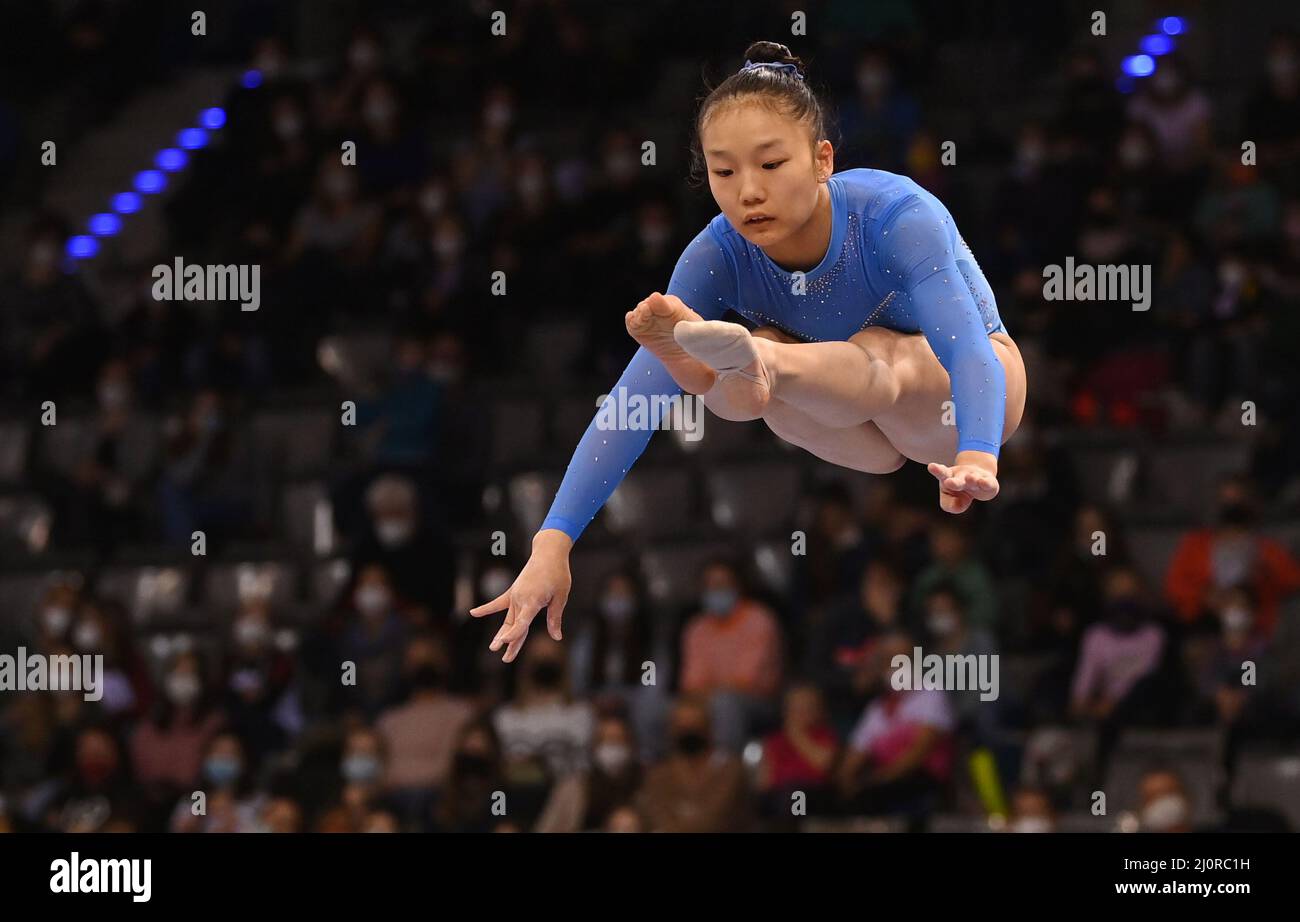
{"x": 419, "y": 734}
{"x": 205, "y": 484}
{"x": 101, "y": 628}
{"x": 362, "y": 771}
{"x": 230, "y": 804}
{"x": 945, "y": 631}
{"x": 49, "y": 339}
{"x": 543, "y": 720}
{"x": 800, "y": 756}
{"x": 373, "y": 639}
{"x": 167, "y": 749}
{"x": 952, "y": 562}
{"x": 97, "y": 492}
{"x": 609, "y": 654}
{"x": 1220, "y": 679}
{"x": 698, "y": 788}
{"x": 1272, "y": 115}
{"x": 615, "y": 775}
{"x": 1163, "y": 803}
{"x": 466, "y": 801}
{"x": 1177, "y": 112}
{"x": 1229, "y": 553}
{"x": 98, "y": 788}
{"x": 900, "y": 755}
{"x": 54, "y": 616}
{"x": 257, "y": 677}
{"x": 731, "y": 655}
{"x": 337, "y": 224}
{"x": 1031, "y": 811}
{"x": 420, "y": 562}
{"x": 840, "y": 649}
{"x": 1125, "y": 673}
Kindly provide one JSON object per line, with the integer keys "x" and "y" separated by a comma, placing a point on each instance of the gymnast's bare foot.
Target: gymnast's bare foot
{"x": 651, "y": 324}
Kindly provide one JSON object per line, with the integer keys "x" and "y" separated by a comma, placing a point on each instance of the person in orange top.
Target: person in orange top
{"x": 731, "y": 654}
{"x": 1210, "y": 561}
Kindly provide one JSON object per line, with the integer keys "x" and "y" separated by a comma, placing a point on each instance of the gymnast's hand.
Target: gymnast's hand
{"x": 973, "y": 476}
{"x": 544, "y": 582}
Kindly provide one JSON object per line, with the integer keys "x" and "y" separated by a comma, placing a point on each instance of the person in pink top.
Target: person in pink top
{"x": 1117, "y": 653}
{"x": 731, "y": 654}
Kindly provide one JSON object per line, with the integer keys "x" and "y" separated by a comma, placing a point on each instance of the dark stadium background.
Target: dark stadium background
{"x": 521, "y": 153}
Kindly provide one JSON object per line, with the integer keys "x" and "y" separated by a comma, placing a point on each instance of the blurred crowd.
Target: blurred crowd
{"x": 721, "y": 714}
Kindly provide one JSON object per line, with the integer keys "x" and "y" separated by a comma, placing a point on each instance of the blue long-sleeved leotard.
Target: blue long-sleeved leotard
{"x": 895, "y": 259}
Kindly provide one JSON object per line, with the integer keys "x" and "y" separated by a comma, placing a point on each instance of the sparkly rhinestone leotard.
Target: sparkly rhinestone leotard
{"x": 895, "y": 260}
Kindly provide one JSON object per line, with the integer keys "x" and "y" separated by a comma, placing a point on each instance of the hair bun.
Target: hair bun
{"x": 772, "y": 53}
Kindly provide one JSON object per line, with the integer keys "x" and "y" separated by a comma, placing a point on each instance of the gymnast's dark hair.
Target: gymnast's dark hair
{"x": 787, "y": 93}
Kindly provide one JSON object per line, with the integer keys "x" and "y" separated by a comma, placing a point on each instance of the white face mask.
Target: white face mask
{"x": 1032, "y": 824}
{"x": 372, "y": 600}
{"x": 612, "y": 757}
{"x": 112, "y": 396}
{"x": 394, "y": 532}
{"x": 495, "y": 582}
{"x": 56, "y": 618}
{"x": 530, "y": 186}
{"x": 620, "y": 166}
{"x": 498, "y": 115}
{"x": 618, "y": 608}
{"x": 447, "y": 246}
{"x": 182, "y": 688}
{"x": 872, "y": 80}
{"x": 251, "y": 632}
{"x": 1236, "y": 619}
{"x": 87, "y": 636}
{"x": 941, "y": 622}
{"x": 1165, "y": 813}
{"x": 431, "y": 201}
{"x": 288, "y": 127}
{"x": 654, "y": 236}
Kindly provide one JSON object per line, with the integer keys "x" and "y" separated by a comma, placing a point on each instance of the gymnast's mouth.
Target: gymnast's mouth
{"x": 755, "y": 220}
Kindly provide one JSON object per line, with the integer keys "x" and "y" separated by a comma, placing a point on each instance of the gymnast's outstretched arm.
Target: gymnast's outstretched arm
{"x": 705, "y": 280}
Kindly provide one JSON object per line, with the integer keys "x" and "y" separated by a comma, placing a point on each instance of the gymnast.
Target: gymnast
{"x": 875, "y": 339}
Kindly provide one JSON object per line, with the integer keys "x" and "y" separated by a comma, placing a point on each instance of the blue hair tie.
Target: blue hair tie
{"x": 786, "y": 68}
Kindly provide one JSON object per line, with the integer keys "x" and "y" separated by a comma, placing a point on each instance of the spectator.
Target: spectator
{"x": 952, "y": 562}
{"x": 800, "y": 756}
{"x": 840, "y": 651}
{"x": 615, "y": 775}
{"x": 374, "y": 639}
{"x": 609, "y": 654}
{"x": 731, "y": 654}
{"x": 1163, "y": 803}
{"x": 399, "y": 539}
{"x": 901, "y": 752}
{"x": 544, "y": 720}
{"x": 419, "y": 735}
{"x": 229, "y": 803}
{"x": 167, "y": 749}
{"x": 698, "y": 788}
{"x": 1031, "y": 811}
{"x": 1210, "y": 560}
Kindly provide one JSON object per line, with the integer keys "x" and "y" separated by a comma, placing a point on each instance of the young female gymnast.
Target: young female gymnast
{"x": 877, "y": 337}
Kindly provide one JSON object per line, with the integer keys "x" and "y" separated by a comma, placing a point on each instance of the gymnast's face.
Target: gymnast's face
{"x": 761, "y": 163}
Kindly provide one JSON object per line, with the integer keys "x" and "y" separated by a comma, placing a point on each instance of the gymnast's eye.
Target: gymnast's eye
{"x": 722, "y": 172}
{"x": 773, "y": 164}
